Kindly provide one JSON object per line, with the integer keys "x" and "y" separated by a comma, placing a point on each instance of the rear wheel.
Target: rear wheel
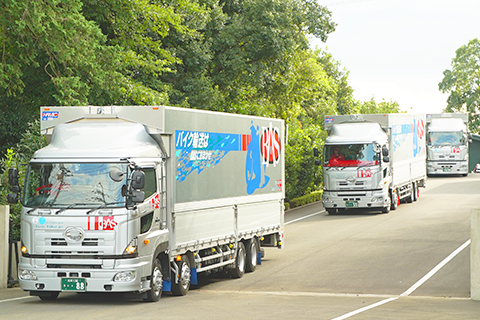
{"x": 415, "y": 192}
{"x": 252, "y": 255}
{"x": 239, "y": 269}
{"x": 156, "y": 282}
{"x": 180, "y": 287}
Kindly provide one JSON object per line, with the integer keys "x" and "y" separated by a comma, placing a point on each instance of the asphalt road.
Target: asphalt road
{"x": 412, "y": 263}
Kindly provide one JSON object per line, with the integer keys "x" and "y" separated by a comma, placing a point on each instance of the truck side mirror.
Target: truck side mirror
{"x": 13, "y": 177}
{"x": 385, "y": 152}
{"x": 12, "y": 198}
{"x": 386, "y": 159}
{"x": 138, "y": 196}
{"x": 315, "y": 152}
{"x": 138, "y": 179}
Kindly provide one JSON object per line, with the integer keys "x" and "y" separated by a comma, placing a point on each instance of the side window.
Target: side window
{"x": 150, "y": 182}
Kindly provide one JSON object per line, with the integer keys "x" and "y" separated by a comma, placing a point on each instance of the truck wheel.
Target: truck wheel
{"x": 181, "y": 287}
{"x": 331, "y": 211}
{"x": 409, "y": 199}
{"x": 48, "y": 295}
{"x": 239, "y": 269}
{"x": 156, "y": 282}
{"x": 394, "y": 200}
{"x": 386, "y": 209}
{"x": 252, "y": 255}
{"x": 415, "y": 192}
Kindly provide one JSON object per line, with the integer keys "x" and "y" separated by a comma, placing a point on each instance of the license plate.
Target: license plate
{"x": 73, "y": 284}
{"x": 351, "y": 204}
{"x": 447, "y": 169}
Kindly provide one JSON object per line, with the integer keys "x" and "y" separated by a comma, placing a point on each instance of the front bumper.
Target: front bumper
{"x": 98, "y": 277}
{"x": 351, "y": 200}
{"x": 447, "y": 168}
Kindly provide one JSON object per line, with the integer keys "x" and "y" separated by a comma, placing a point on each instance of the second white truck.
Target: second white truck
{"x": 373, "y": 161}
{"x": 447, "y": 144}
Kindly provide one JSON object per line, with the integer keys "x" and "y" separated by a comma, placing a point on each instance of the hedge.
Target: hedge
{"x": 303, "y": 200}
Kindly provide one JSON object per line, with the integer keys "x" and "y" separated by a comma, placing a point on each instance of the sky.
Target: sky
{"x": 397, "y": 50}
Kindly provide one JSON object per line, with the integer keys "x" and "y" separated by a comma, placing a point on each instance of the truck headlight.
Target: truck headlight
{"x": 327, "y": 200}
{"x": 125, "y": 276}
{"x": 26, "y": 275}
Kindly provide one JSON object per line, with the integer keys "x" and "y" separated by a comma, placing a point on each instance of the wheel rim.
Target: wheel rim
{"x": 157, "y": 281}
{"x": 253, "y": 250}
{"x": 185, "y": 276}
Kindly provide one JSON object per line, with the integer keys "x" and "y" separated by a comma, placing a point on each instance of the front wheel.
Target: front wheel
{"x": 394, "y": 200}
{"x": 156, "y": 282}
{"x": 181, "y": 286}
{"x": 47, "y": 295}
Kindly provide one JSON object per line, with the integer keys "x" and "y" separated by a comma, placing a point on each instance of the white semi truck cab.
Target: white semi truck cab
{"x": 142, "y": 199}
{"x": 372, "y": 161}
{"x": 447, "y": 144}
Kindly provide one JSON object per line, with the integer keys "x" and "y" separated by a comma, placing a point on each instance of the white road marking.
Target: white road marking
{"x": 13, "y": 299}
{"x": 412, "y": 288}
{"x": 305, "y": 217}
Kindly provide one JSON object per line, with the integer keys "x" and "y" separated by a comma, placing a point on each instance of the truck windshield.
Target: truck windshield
{"x": 75, "y": 184}
{"x": 445, "y": 138}
{"x": 350, "y": 155}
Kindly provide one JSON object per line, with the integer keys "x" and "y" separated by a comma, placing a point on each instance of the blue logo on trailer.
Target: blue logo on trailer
{"x": 198, "y": 150}
{"x": 49, "y": 115}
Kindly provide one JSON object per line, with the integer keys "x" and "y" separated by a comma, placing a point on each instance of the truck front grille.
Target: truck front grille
{"x": 87, "y": 242}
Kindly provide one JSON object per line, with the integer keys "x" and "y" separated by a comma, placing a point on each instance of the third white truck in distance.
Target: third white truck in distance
{"x": 447, "y": 144}
{"x": 373, "y": 161}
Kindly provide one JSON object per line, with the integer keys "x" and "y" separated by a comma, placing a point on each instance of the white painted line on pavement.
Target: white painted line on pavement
{"x": 13, "y": 299}
{"x": 412, "y": 288}
{"x": 435, "y": 270}
{"x": 305, "y": 217}
{"x": 351, "y": 314}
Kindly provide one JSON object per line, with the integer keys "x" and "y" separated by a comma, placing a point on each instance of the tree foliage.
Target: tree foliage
{"x": 462, "y": 83}
{"x": 242, "y": 56}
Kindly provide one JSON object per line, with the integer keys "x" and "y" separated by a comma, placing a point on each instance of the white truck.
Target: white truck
{"x": 447, "y": 144}
{"x": 141, "y": 199}
{"x": 373, "y": 161}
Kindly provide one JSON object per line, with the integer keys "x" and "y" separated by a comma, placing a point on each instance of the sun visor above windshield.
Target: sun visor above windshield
{"x": 97, "y": 139}
{"x": 364, "y": 132}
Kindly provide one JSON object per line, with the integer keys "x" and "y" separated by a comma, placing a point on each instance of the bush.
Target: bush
{"x": 303, "y": 200}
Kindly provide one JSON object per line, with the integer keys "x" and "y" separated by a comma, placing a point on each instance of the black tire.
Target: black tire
{"x": 409, "y": 199}
{"x": 48, "y": 295}
{"x": 331, "y": 211}
{"x": 415, "y": 190}
{"x": 240, "y": 261}
{"x": 181, "y": 287}
{"x": 252, "y": 255}
{"x": 156, "y": 282}
{"x": 393, "y": 201}
{"x": 386, "y": 209}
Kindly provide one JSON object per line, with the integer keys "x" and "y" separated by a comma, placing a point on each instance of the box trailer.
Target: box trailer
{"x": 373, "y": 161}
{"x": 141, "y": 199}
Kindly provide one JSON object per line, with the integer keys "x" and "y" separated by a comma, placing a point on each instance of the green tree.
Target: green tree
{"x": 371, "y": 106}
{"x": 16, "y": 157}
{"x": 462, "y": 83}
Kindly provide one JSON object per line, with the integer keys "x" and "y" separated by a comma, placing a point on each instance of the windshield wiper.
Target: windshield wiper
{"x": 104, "y": 205}
{"x": 72, "y": 206}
